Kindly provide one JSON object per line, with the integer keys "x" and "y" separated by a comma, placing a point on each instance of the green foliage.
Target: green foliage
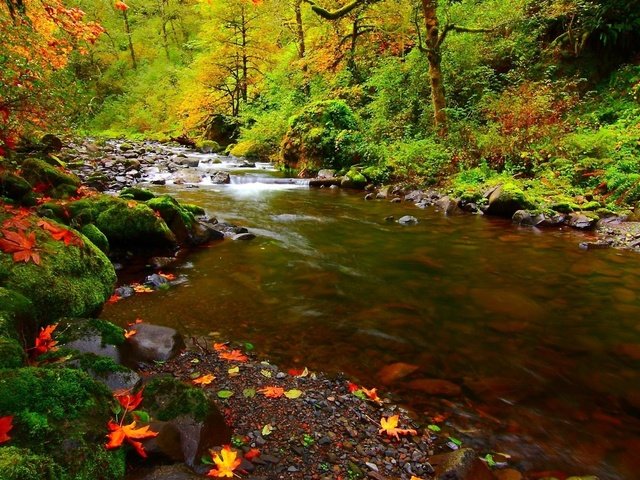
{"x": 425, "y": 161}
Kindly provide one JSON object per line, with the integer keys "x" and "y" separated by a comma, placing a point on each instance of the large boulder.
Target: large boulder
{"x": 507, "y": 199}
{"x": 39, "y": 172}
{"x": 152, "y": 343}
{"x": 324, "y": 135}
{"x": 68, "y": 409}
{"x": 13, "y": 186}
{"x": 67, "y": 279}
{"x": 179, "y": 220}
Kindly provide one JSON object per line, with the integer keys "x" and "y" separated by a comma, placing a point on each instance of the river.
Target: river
{"x": 542, "y": 338}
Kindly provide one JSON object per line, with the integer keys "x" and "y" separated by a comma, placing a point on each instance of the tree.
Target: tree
{"x": 38, "y": 37}
{"x": 431, "y": 45}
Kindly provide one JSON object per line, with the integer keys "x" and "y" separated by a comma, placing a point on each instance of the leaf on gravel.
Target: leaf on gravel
{"x": 293, "y": 394}
{"x": 233, "y": 371}
{"x": 225, "y": 394}
{"x": 220, "y": 347}
{"x": 266, "y": 373}
{"x": 272, "y": 392}
{"x": 390, "y": 427}
{"x": 204, "y": 379}
{"x": 434, "y": 428}
{"x": 248, "y": 346}
{"x": 267, "y": 429}
{"x": 249, "y": 392}
{"x": 298, "y": 372}
{"x": 251, "y": 454}
{"x": 234, "y": 355}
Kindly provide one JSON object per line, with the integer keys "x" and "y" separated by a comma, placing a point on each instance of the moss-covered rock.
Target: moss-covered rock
{"x": 12, "y": 353}
{"x": 353, "y": 179}
{"x": 324, "y": 135}
{"x": 96, "y": 237}
{"x": 195, "y": 210}
{"x": 68, "y": 409}
{"x": 179, "y": 219}
{"x": 136, "y": 193}
{"x": 72, "y": 329}
{"x": 167, "y": 398}
{"x": 208, "y": 146}
{"x": 134, "y": 225}
{"x": 13, "y": 186}
{"x": 71, "y": 279}
{"x": 17, "y": 315}
{"x": 506, "y": 199}
{"x": 250, "y": 149}
{"x": 23, "y": 464}
{"x": 37, "y": 171}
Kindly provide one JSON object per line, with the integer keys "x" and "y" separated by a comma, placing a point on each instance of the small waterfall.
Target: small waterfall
{"x": 249, "y": 179}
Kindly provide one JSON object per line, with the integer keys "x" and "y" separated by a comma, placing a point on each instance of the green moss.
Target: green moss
{"x": 23, "y": 464}
{"x": 134, "y": 226}
{"x": 70, "y": 280}
{"x": 208, "y": 146}
{"x": 12, "y": 353}
{"x": 74, "y": 328}
{"x": 100, "y": 365}
{"x": 167, "y": 398}
{"x": 37, "y": 171}
{"x": 53, "y": 210}
{"x": 564, "y": 207}
{"x": 63, "y": 191}
{"x": 193, "y": 209}
{"x": 136, "y": 193}
{"x": 96, "y": 237}
{"x": 590, "y": 206}
{"x": 17, "y": 315}
{"x": 249, "y": 149}
{"x": 179, "y": 219}
{"x": 13, "y": 186}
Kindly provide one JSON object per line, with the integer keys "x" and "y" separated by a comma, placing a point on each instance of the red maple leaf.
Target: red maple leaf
{"x": 21, "y": 245}
{"x": 120, "y": 433}
{"x": 16, "y": 222}
{"x": 128, "y": 401}
{"x": 6, "y": 424}
{"x": 61, "y": 234}
{"x": 45, "y": 343}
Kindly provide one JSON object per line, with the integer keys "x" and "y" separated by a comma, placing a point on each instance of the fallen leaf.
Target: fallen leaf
{"x": 267, "y": 430}
{"x": 167, "y": 276}
{"x": 21, "y": 245}
{"x": 129, "y": 333}
{"x": 265, "y": 373}
{"x": 129, "y": 433}
{"x": 204, "y": 379}
{"x": 293, "y": 394}
{"x": 352, "y": 387}
{"x": 234, "y": 355}
{"x": 225, "y": 394}
{"x": 299, "y": 372}
{"x": 233, "y": 371}
{"x": 251, "y": 454}
{"x": 128, "y": 401}
{"x": 372, "y": 395}
{"x": 220, "y": 347}
{"x": 45, "y": 343}
{"x": 138, "y": 288}
{"x": 226, "y": 462}
{"x": 249, "y": 392}
{"x": 389, "y": 426}
{"x": 61, "y": 234}
{"x": 6, "y": 424}
{"x": 114, "y": 298}
{"x": 272, "y": 392}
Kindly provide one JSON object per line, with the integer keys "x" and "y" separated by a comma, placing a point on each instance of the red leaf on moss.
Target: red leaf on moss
{"x": 6, "y": 424}
{"x": 21, "y": 245}
{"x": 61, "y": 234}
{"x": 128, "y": 401}
{"x": 45, "y": 342}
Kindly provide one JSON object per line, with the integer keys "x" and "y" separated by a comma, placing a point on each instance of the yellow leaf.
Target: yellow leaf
{"x": 204, "y": 379}
{"x": 389, "y": 426}
{"x": 226, "y": 462}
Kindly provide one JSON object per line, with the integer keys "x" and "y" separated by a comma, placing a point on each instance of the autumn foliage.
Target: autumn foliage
{"x": 6, "y": 424}
{"x": 226, "y": 462}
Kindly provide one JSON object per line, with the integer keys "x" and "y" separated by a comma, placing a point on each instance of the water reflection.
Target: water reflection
{"x": 517, "y": 331}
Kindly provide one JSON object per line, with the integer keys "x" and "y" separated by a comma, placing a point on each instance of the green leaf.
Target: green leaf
{"x": 194, "y": 375}
{"x": 456, "y": 441}
{"x": 434, "y": 428}
{"x": 195, "y": 360}
{"x": 293, "y": 393}
{"x": 142, "y": 415}
{"x": 249, "y": 392}
{"x": 116, "y": 408}
{"x": 266, "y": 373}
{"x": 267, "y": 429}
{"x": 248, "y": 346}
{"x": 225, "y": 394}
{"x": 489, "y": 459}
{"x": 360, "y": 394}
{"x": 206, "y": 460}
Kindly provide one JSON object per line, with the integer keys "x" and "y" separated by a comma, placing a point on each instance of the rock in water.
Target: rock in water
{"x": 407, "y": 220}
{"x": 152, "y": 343}
{"x": 462, "y": 464}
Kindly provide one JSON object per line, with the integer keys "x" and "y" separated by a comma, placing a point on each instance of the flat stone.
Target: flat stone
{"x": 152, "y": 343}
{"x": 462, "y": 464}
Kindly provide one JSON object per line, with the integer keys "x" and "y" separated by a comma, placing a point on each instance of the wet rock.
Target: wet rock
{"x": 203, "y": 232}
{"x": 155, "y": 280}
{"x": 246, "y": 164}
{"x": 415, "y": 196}
{"x": 505, "y": 200}
{"x": 326, "y": 173}
{"x": 527, "y": 218}
{"x": 553, "y": 221}
{"x": 462, "y": 464}
{"x": 51, "y": 143}
{"x": 159, "y": 181}
{"x": 324, "y": 182}
{"x": 581, "y": 221}
{"x": 599, "y": 245}
{"x": 169, "y": 472}
{"x": 449, "y": 206}
{"x": 407, "y": 220}
{"x": 369, "y": 196}
{"x": 189, "y": 162}
{"x": 396, "y": 371}
{"x": 243, "y": 236}
{"x": 13, "y": 186}
{"x": 436, "y": 386}
{"x": 220, "y": 178}
{"x": 152, "y": 343}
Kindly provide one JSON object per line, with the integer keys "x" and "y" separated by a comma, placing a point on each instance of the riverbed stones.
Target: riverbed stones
{"x": 527, "y": 218}
{"x": 462, "y": 464}
{"x": 449, "y": 206}
{"x": 152, "y": 343}
{"x": 408, "y": 220}
{"x": 582, "y": 221}
{"x": 220, "y": 178}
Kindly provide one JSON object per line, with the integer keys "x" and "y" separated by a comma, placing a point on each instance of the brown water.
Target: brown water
{"x": 542, "y": 337}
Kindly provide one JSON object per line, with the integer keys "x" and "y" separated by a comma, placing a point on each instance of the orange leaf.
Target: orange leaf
{"x": 61, "y": 234}
{"x": 226, "y": 462}
{"x": 272, "y": 392}
{"x": 204, "y": 379}
{"x": 21, "y": 245}
{"x": 167, "y": 276}
{"x": 6, "y": 424}
{"x": 251, "y": 454}
{"x": 128, "y": 401}
{"x": 118, "y": 434}
{"x": 220, "y": 347}
{"x": 129, "y": 333}
{"x": 114, "y": 298}
{"x": 389, "y": 426}
{"x": 121, "y": 6}
{"x": 45, "y": 343}
{"x": 372, "y": 394}
{"x": 236, "y": 355}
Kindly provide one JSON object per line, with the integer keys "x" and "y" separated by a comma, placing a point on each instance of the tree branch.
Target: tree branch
{"x": 456, "y": 28}
{"x": 339, "y": 13}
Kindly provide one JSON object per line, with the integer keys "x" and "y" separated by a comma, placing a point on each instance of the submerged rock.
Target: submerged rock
{"x": 462, "y": 464}
{"x": 528, "y": 218}
{"x": 152, "y": 343}
{"x": 408, "y": 220}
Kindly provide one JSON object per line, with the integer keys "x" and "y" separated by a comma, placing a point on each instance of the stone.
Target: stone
{"x": 505, "y": 200}
{"x": 220, "y": 178}
{"x": 151, "y": 343}
{"x": 462, "y": 464}
{"x": 449, "y": 206}
{"x": 407, "y": 220}
{"x": 169, "y": 472}
{"x": 527, "y": 218}
{"x": 369, "y": 196}
{"x": 582, "y": 222}
{"x": 327, "y": 173}
{"x": 436, "y": 386}
{"x": 244, "y": 236}
{"x": 51, "y": 143}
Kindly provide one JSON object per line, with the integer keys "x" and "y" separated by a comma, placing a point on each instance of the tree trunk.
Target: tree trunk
{"x": 165, "y": 39}
{"x": 128, "y": 31}
{"x": 245, "y": 59}
{"x": 435, "y": 69}
{"x": 302, "y": 48}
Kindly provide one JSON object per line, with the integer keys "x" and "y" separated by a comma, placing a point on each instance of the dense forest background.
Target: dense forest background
{"x": 468, "y": 91}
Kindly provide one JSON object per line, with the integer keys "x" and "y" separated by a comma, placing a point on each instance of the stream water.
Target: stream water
{"x": 542, "y": 338}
